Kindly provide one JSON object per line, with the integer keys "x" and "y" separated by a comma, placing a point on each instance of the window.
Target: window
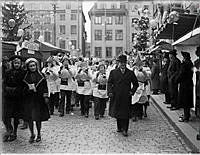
{"x": 102, "y": 6}
{"x": 118, "y": 50}
{"x": 73, "y": 16}
{"x": 118, "y": 34}
{"x": 108, "y": 34}
{"x": 62, "y": 29}
{"x": 108, "y": 20}
{"x": 118, "y": 19}
{"x": 98, "y": 52}
{"x": 73, "y": 29}
{"x": 109, "y": 52}
{"x": 113, "y": 6}
{"x": 98, "y": 35}
{"x": 47, "y": 36}
{"x": 62, "y": 17}
{"x": 62, "y": 44}
{"x": 36, "y": 21}
{"x": 97, "y": 20}
{"x": 122, "y": 6}
{"x": 47, "y": 20}
{"x": 68, "y": 6}
{"x": 36, "y": 35}
{"x": 74, "y": 43}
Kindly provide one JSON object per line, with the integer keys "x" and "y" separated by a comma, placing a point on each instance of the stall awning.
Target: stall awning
{"x": 191, "y": 38}
{"x": 185, "y": 24}
{"x": 47, "y": 47}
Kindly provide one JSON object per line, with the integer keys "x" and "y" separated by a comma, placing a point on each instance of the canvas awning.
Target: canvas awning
{"x": 181, "y": 27}
{"x": 47, "y": 47}
{"x": 191, "y": 38}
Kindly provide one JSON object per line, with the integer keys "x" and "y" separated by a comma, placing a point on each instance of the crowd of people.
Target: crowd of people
{"x": 33, "y": 93}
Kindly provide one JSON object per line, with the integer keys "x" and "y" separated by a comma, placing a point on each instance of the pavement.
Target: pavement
{"x": 187, "y": 130}
{"x": 76, "y": 134}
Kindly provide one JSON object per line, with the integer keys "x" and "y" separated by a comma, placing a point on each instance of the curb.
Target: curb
{"x": 194, "y": 146}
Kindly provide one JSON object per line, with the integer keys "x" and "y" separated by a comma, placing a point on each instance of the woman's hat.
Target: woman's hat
{"x": 185, "y": 54}
{"x": 173, "y": 52}
{"x": 15, "y": 57}
{"x": 30, "y": 60}
{"x": 122, "y": 58}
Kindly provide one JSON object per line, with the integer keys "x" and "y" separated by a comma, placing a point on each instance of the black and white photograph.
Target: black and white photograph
{"x": 100, "y": 76}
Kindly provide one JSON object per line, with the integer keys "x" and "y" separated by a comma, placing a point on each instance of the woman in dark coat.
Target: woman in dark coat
{"x": 120, "y": 91}
{"x": 186, "y": 86}
{"x": 36, "y": 98}
{"x": 155, "y": 79}
{"x": 12, "y": 97}
{"x": 164, "y": 79}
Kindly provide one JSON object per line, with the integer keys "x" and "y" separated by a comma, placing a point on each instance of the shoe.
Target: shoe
{"x": 38, "y": 139}
{"x": 134, "y": 119}
{"x": 198, "y": 136}
{"x": 61, "y": 115}
{"x": 183, "y": 120}
{"x": 169, "y": 107}
{"x": 97, "y": 117}
{"x": 12, "y": 137}
{"x": 119, "y": 130}
{"x": 32, "y": 138}
{"x": 86, "y": 115}
{"x": 174, "y": 108}
{"x": 5, "y": 138}
{"x": 166, "y": 103}
{"x": 125, "y": 134}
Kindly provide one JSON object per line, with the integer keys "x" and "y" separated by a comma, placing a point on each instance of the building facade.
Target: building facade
{"x": 61, "y": 23}
{"x": 112, "y": 28}
{"x": 108, "y": 29}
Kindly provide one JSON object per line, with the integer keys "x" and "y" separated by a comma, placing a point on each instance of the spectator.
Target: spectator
{"x": 186, "y": 86}
{"x": 155, "y": 79}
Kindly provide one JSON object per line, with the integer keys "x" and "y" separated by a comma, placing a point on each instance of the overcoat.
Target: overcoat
{"x": 12, "y": 93}
{"x": 186, "y": 84}
{"x": 119, "y": 85}
{"x": 155, "y": 79}
{"x": 35, "y": 108}
{"x": 164, "y": 78}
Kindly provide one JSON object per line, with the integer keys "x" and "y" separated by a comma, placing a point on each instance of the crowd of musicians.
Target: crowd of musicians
{"x": 33, "y": 93}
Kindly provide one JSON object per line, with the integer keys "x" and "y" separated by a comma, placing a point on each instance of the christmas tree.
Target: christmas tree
{"x": 142, "y": 36}
{"x": 14, "y": 15}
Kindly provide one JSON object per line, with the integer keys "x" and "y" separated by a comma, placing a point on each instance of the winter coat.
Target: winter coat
{"x": 119, "y": 85}
{"x": 12, "y": 102}
{"x": 35, "y": 108}
{"x": 155, "y": 78}
{"x": 173, "y": 71}
{"x": 186, "y": 84}
{"x": 164, "y": 78}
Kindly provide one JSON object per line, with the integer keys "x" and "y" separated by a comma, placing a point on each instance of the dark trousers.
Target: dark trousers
{"x": 187, "y": 113}
{"x": 9, "y": 127}
{"x": 84, "y": 102}
{"x": 137, "y": 110}
{"x": 122, "y": 124}
{"x": 167, "y": 96}
{"x": 53, "y": 101}
{"x": 99, "y": 106}
{"x": 65, "y": 94}
{"x": 173, "y": 91}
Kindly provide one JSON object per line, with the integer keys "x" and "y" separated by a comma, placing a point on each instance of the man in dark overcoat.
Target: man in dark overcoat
{"x": 173, "y": 73}
{"x": 186, "y": 86}
{"x": 120, "y": 91}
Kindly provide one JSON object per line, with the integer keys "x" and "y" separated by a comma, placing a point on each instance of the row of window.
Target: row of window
{"x": 62, "y": 29}
{"x": 73, "y": 17}
{"x": 110, "y": 6}
{"x": 109, "y": 20}
{"x": 62, "y": 44}
{"x": 109, "y": 35}
{"x": 109, "y": 52}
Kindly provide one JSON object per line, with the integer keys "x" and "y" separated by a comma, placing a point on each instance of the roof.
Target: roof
{"x": 184, "y": 25}
{"x": 191, "y": 38}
